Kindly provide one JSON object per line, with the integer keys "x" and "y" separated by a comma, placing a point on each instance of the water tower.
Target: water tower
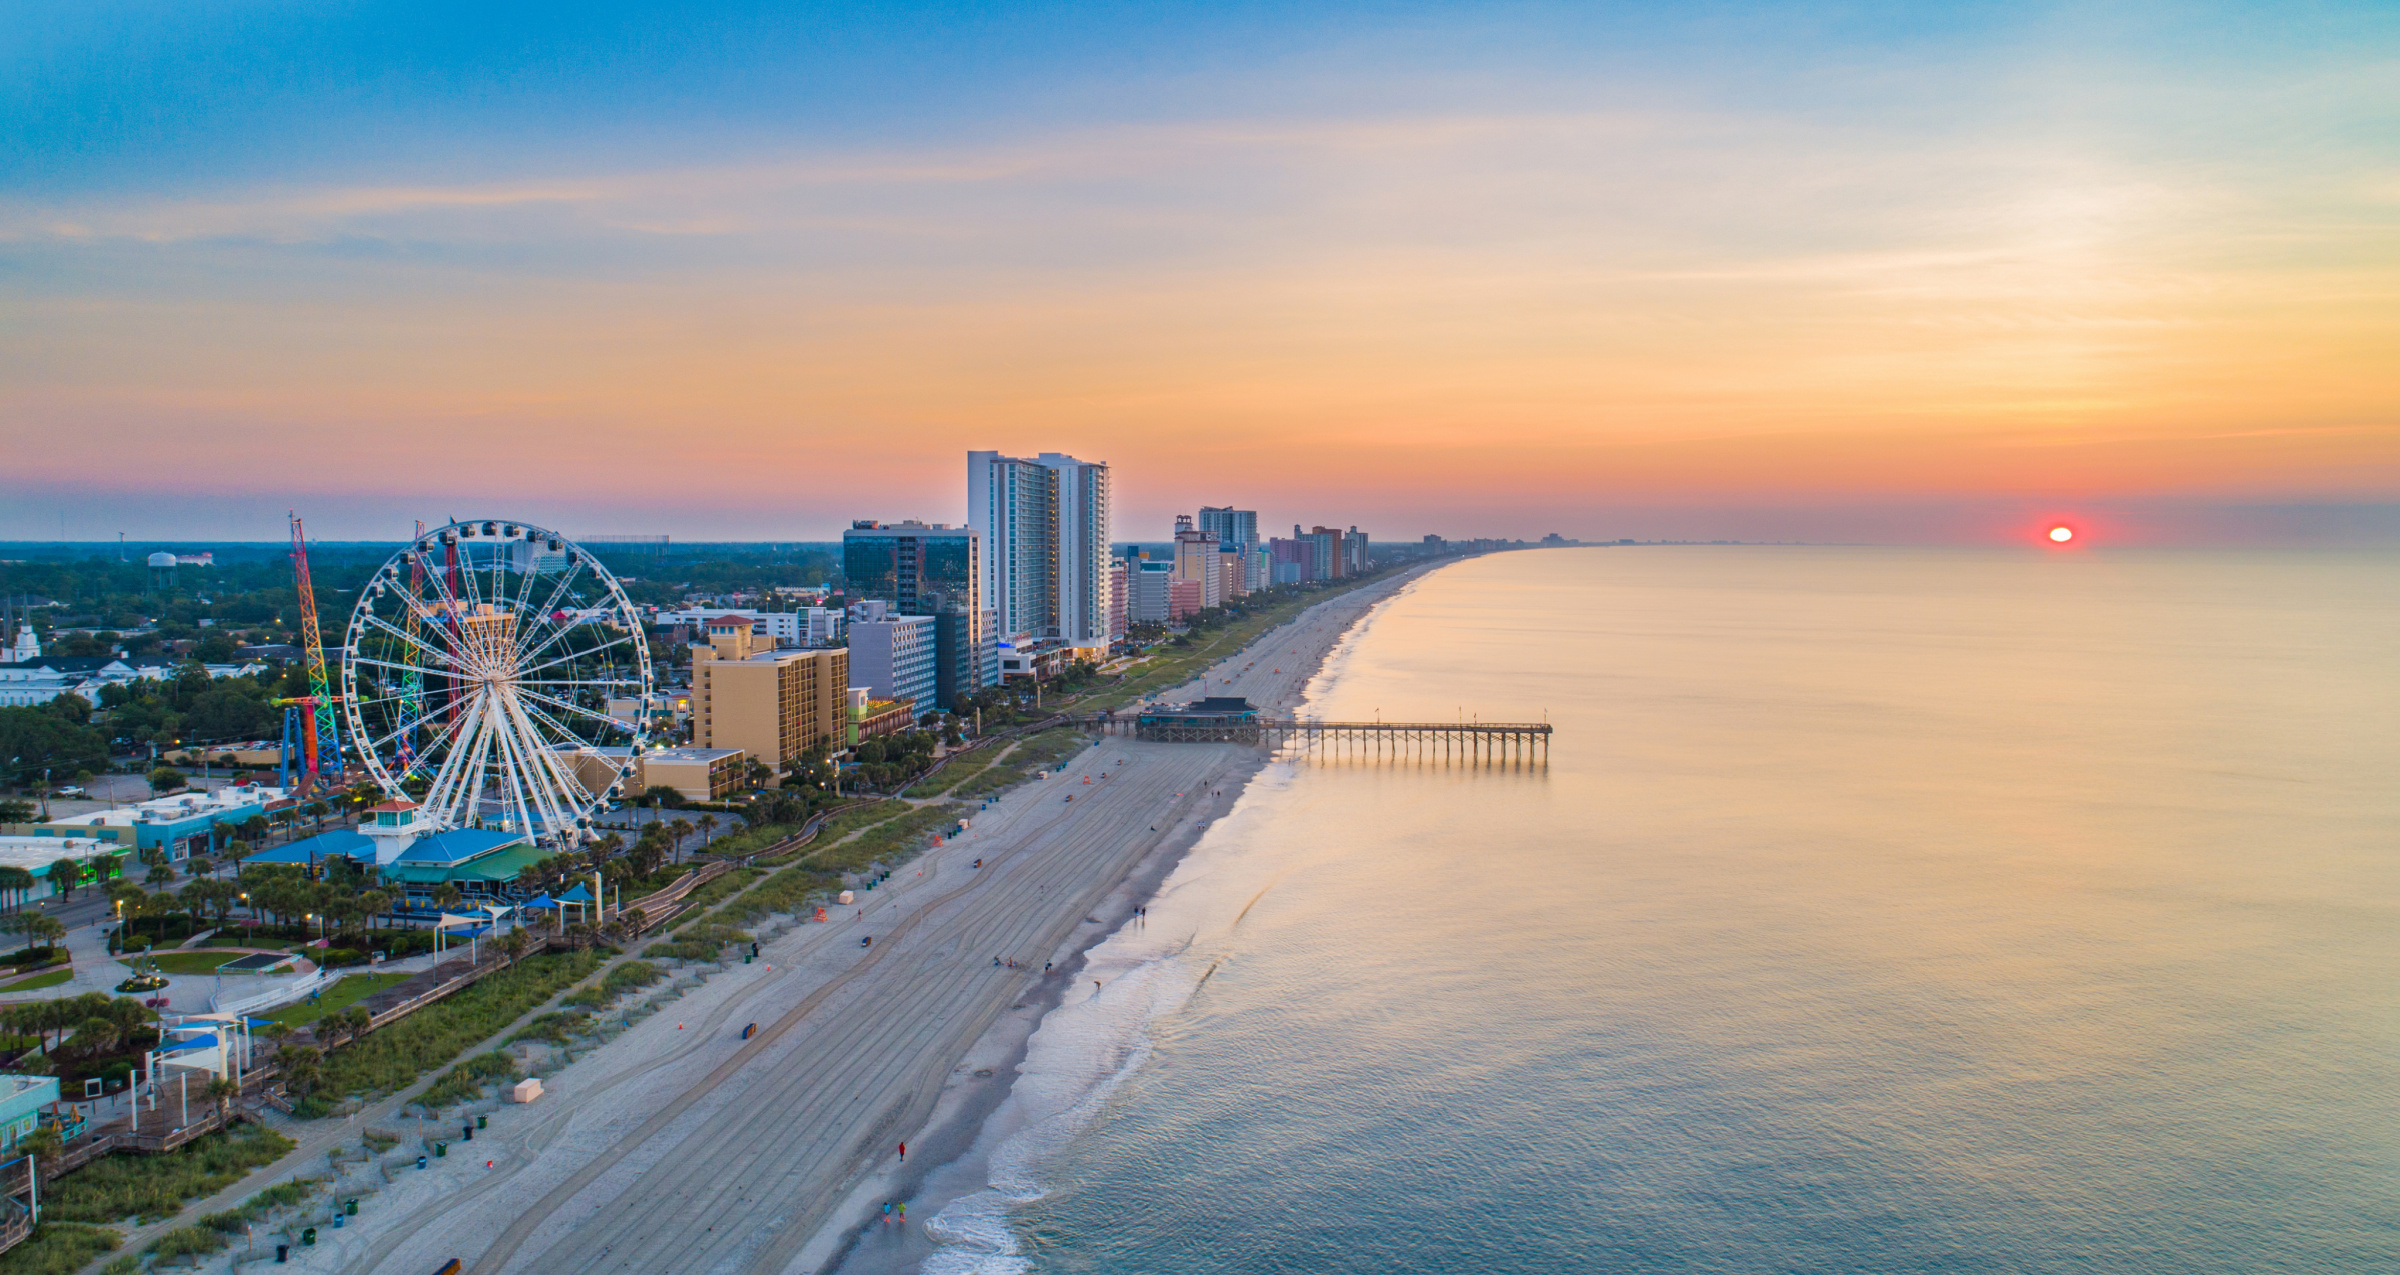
{"x": 162, "y": 570}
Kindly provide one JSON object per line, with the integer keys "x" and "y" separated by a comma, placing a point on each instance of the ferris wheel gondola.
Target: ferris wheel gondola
{"x": 496, "y": 673}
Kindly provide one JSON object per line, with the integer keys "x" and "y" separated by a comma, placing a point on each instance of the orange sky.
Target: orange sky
{"x": 1466, "y": 322}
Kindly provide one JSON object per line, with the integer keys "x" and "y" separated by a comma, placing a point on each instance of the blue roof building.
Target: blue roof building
{"x": 21, "y": 1101}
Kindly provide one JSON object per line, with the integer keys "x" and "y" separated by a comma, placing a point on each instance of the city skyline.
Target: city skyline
{"x": 1779, "y": 271}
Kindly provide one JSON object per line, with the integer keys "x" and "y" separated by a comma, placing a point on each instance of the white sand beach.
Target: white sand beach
{"x": 680, "y": 1146}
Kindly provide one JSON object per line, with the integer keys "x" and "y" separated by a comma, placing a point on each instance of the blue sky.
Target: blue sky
{"x": 1522, "y": 263}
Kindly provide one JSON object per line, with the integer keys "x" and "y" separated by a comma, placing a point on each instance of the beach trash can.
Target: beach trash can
{"x": 350, "y": 1206}
{"x": 283, "y": 1252}
{"x": 481, "y": 1122}
{"x": 420, "y": 1162}
{"x": 308, "y": 1238}
{"x": 440, "y": 1149}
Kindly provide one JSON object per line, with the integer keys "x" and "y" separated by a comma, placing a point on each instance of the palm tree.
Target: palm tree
{"x": 446, "y": 896}
{"x": 222, "y": 1091}
{"x": 708, "y": 828}
{"x": 680, "y": 830}
{"x": 373, "y": 903}
{"x": 300, "y": 1067}
{"x": 15, "y": 883}
{"x": 64, "y": 875}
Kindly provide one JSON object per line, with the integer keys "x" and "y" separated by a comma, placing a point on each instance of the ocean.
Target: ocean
{"x": 1878, "y": 910}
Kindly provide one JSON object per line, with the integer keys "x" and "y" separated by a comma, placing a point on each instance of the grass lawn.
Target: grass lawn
{"x": 352, "y": 989}
{"x": 47, "y": 978}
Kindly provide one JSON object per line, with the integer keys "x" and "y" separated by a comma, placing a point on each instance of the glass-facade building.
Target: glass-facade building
{"x": 927, "y": 569}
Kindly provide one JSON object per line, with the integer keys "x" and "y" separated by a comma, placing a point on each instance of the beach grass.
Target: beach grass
{"x": 1039, "y": 752}
{"x": 392, "y": 1057}
{"x": 465, "y": 1082}
{"x": 887, "y": 840}
{"x": 58, "y": 1248}
{"x": 151, "y": 1187}
{"x": 352, "y": 989}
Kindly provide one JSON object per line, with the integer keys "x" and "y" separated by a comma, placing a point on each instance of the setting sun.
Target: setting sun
{"x": 2061, "y": 534}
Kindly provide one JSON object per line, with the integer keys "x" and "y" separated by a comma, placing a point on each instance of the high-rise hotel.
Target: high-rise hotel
{"x": 1045, "y": 526}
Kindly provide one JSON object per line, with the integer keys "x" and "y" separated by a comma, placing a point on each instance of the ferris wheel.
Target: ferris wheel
{"x": 496, "y": 673}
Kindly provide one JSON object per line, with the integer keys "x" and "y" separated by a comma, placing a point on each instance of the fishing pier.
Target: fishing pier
{"x": 1231, "y": 720}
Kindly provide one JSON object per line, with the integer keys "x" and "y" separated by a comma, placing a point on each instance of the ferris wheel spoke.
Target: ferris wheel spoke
{"x": 451, "y": 602}
{"x": 619, "y": 640}
{"x": 458, "y": 782}
{"x": 594, "y": 714}
{"x": 416, "y": 724}
{"x": 565, "y": 578}
{"x": 567, "y": 735}
{"x": 511, "y": 778}
{"x": 446, "y": 659}
{"x": 563, "y": 630}
{"x": 539, "y": 770}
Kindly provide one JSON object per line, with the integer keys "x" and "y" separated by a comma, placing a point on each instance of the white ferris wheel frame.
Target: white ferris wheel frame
{"x": 505, "y": 742}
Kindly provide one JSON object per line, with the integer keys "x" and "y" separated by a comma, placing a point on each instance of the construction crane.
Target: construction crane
{"x": 308, "y": 721}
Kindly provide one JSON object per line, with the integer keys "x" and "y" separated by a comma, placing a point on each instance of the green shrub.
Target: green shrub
{"x": 700, "y": 943}
{"x": 786, "y": 891}
{"x": 392, "y": 1057}
{"x": 58, "y": 1248}
{"x": 280, "y": 1195}
{"x": 716, "y": 891}
{"x": 631, "y": 976}
{"x": 465, "y": 1081}
{"x": 555, "y": 1028}
{"x": 155, "y": 1186}
{"x": 888, "y": 841}
{"x": 187, "y": 1241}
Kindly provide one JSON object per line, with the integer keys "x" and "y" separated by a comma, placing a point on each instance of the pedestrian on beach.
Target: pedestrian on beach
{"x": 904, "y": 1151}
{"x": 887, "y": 1212}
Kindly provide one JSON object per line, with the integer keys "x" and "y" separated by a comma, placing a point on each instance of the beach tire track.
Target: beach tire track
{"x": 504, "y": 1248}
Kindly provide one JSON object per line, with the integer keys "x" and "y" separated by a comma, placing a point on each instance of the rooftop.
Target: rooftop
{"x": 179, "y": 806}
{"x": 689, "y": 756}
{"x": 36, "y": 854}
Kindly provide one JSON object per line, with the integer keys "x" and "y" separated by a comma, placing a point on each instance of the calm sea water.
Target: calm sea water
{"x": 1878, "y": 911}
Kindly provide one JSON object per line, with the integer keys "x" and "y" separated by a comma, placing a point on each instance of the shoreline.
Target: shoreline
{"x": 653, "y": 1149}
{"x": 955, "y": 1135}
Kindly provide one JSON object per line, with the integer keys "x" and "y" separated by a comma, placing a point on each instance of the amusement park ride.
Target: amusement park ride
{"x": 308, "y": 721}
{"x": 481, "y": 675}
